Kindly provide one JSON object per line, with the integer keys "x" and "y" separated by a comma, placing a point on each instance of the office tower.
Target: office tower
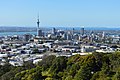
{"x": 82, "y": 31}
{"x": 76, "y": 37}
{"x": 54, "y": 31}
{"x": 103, "y": 35}
{"x": 69, "y": 36}
{"x": 64, "y": 36}
{"x": 27, "y": 37}
{"x": 40, "y": 32}
{"x": 73, "y": 31}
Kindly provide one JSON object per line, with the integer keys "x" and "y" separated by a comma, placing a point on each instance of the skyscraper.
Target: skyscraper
{"x": 54, "y": 31}
{"x": 73, "y": 31}
{"x": 82, "y": 31}
{"x": 103, "y": 35}
{"x": 27, "y": 37}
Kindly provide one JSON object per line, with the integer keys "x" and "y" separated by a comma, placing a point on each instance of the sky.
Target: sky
{"x": 60, "y": 13}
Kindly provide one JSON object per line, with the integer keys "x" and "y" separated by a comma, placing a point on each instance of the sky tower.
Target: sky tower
{"x": 38, "y": 22}
{"x": 39, "y": 32}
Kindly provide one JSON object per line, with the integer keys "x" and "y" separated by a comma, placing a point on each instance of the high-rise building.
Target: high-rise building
{"x": 39, "y": 32}
{"x": 27, "y": 37}
{"x": 82, "y": 31}
{"x": 64, "y": 36}
{"x": 54, "y": 31}
{"x": 69, "y": 36}
{"x": 103, "y": 35}
{"x": 73, "y": 30}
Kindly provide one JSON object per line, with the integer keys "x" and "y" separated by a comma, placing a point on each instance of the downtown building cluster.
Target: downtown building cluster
{"x": 18, "y": 49}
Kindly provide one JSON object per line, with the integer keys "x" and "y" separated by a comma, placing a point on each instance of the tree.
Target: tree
{"x": 5, "y": 68}
{"x": 59, "y": 64}
{"x": 28, "y": 65}
{"x": 46, "y": 62}
{"x": 32, "y": 74}
{"x": 117, "y": 75}
{"x": 85, "y": 73}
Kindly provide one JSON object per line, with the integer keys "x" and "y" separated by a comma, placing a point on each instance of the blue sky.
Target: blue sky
{"x": 59, "y": 13}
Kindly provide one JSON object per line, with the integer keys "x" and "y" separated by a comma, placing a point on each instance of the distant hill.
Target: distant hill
{"x": 16, "y": 29}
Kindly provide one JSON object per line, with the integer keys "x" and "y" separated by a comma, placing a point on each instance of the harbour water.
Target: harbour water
{"x": 20, "y": 33}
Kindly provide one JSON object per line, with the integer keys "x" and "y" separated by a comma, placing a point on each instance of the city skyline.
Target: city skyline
{"x": 68, "y": 13}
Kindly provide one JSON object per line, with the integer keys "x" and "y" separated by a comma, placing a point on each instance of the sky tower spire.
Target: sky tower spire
{"x": 38, "y": 22}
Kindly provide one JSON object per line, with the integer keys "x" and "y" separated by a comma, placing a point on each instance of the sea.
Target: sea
{"x": 20, "y": 33}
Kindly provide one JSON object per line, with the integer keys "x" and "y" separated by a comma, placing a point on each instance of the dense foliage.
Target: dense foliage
{"x": 97, "y": 66}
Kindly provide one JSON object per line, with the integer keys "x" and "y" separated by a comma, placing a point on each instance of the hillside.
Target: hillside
{"x": 97, "y": 66}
